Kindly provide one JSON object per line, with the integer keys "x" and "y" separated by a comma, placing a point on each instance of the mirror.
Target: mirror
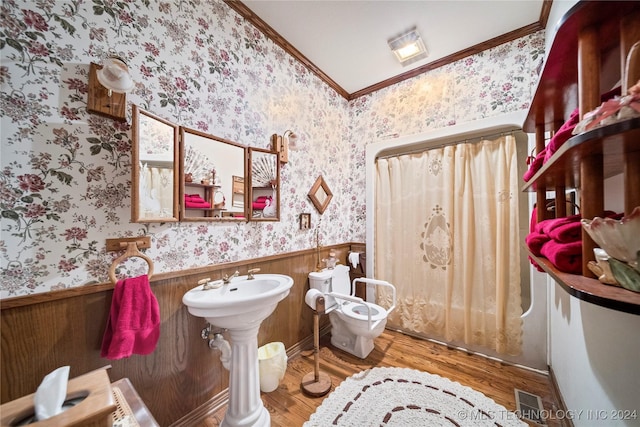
{"x": 154, "y": 168}
{"x": 320, "y": 194}
{"x": 212, "y": 179}
{"x": 264, "y": 190}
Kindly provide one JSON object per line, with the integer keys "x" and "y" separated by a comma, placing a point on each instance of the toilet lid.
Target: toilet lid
{"x": 340, "y": 280}
{"x": 359, "y": 311}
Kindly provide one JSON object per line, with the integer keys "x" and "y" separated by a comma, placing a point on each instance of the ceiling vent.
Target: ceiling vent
{"x": 408, "y": 47}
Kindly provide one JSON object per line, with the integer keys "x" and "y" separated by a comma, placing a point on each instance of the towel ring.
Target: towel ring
{"x": 132, "y": 251}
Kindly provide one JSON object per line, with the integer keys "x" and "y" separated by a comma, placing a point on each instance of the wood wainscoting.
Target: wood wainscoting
{"x": 44, "y": 331}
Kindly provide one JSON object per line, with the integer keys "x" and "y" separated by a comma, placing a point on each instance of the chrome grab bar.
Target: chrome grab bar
{"x": 377, "y": 283}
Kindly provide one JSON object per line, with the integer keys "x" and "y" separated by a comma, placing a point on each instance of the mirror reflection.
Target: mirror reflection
{"x": 154, "y": 168}
{"x": 265, "y": 192}
{"x": 213, "y": 177}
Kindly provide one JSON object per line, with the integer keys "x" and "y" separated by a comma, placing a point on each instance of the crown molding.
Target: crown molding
{"x": 273, "y": 35}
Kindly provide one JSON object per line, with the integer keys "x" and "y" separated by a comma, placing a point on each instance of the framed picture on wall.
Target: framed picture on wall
{"x": 305, "y": 221}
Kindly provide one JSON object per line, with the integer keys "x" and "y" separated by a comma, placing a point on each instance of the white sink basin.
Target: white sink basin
{"x": 240, "y": 306}
{"x": 241, "y": 303}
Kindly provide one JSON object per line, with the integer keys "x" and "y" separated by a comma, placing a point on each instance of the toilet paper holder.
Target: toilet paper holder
{"x": 316, "y": 383}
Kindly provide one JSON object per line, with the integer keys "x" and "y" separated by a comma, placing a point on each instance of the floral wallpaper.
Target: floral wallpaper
{"x": 65, "y": 174}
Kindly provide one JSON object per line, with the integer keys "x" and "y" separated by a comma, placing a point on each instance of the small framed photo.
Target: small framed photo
{"x": 305, "y": 221}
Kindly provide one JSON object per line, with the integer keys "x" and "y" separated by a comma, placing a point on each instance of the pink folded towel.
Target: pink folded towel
{"x": 565, "y": 257}
{"x": 547, "y": 225}
{"x": 193, "y": 198}
{"x": 567, "y": 233}
{"x": 258, "y": 205}
{"x": 565, "y": 132}
{"x": 133, "y": 326}
{"x": 197, "y": 205}
{"x": 535, "y": 241}
{"x": 562, "y": 135}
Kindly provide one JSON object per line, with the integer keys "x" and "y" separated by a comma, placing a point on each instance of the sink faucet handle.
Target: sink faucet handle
{"x": 226, "y": 278}
{"x": 251, "y": 272}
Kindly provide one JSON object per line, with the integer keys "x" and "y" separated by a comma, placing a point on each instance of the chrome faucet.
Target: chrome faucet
{"x": 226, "y": 278}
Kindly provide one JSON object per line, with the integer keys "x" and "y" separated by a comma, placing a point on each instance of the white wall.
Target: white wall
{"x": 594, "y": 356}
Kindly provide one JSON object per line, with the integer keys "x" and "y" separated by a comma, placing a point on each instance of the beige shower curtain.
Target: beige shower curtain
{"x": 156, "y": 197}
{"x": 446, "y": 235}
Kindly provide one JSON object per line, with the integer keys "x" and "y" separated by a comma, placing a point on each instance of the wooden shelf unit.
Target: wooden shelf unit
{"x": 592, "y": 290}
{"x": 577, "y": 70}
{"x": 209, "y": 190}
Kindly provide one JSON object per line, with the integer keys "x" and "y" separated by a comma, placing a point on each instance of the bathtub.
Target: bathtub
{"x": 534, "y": 283}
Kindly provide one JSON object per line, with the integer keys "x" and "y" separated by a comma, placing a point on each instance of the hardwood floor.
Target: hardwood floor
{"x": 289, "y": 407}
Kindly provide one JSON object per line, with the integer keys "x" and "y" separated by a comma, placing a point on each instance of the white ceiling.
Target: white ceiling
{"x": 347, "y": 39}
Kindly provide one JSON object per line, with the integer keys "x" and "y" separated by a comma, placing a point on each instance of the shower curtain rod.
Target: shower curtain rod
{"x": 461, "y": 141}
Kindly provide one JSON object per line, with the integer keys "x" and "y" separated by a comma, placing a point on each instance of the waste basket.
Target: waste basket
{"x": 272, "y": 363}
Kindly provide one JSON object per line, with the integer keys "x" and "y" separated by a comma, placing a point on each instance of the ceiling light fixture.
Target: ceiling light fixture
{"x": 408, "y": 47}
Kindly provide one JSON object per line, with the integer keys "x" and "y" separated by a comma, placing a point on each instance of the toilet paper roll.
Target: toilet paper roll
{"x": 310, "y": 297}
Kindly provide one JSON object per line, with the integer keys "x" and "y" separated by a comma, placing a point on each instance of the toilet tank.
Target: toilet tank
{"x": 331, "y": 280}
{"x": 321, "y": 280}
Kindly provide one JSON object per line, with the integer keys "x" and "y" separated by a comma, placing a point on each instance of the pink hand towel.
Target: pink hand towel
{"x": 133, "y": 326}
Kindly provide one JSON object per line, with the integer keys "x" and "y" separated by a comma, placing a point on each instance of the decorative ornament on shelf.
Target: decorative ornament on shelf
{"x": 612, "y": 111}
{"x": 269, "y": 210}
{"x": 601, "y": 268}
{"x": 619, "y": 239}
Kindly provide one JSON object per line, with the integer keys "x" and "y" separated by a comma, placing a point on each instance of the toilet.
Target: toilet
{"x": 355, "y": 323}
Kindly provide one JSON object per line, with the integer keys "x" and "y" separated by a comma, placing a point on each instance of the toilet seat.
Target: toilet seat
{"x": 359, "y": 311}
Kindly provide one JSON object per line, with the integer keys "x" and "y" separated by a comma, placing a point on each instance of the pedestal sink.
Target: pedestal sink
{"x": 240, "y": 307}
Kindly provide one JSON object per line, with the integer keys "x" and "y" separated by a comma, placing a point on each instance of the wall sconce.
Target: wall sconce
{"x": 281, "y": 144}
{"x": 108, "y": 87}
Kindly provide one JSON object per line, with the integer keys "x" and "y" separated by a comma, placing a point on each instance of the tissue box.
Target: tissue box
{"x": 95, "y": 410}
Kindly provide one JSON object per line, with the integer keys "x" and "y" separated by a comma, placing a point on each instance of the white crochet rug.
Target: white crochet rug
{"x": 407, "y": 397}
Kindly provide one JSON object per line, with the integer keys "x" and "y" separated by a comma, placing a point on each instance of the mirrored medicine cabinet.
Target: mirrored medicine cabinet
{"x": 182, "y": 174}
